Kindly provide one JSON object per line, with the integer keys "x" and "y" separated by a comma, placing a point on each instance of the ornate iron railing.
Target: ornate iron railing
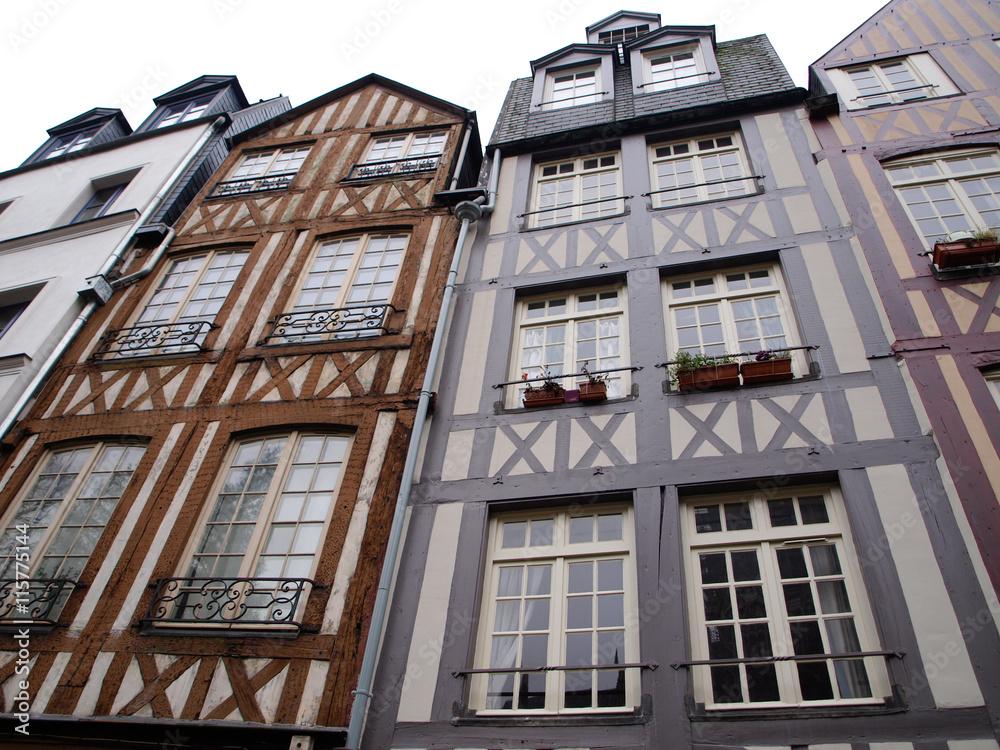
{"x": 372, "y": 169}
{"x": 333, "y": 323}
{"x": 38, "y": 603}
{"x": 232, "y": 603}
{"x": 252, "y": 184}
{"x": 147, "y": 340}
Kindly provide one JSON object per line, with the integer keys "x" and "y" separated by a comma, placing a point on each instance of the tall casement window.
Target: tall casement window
{"x": 264, "y": 170}
{"x": 897, "y": 81}
{"x": 401, "y": 154}
{"x": 59, "y": 520}
{"x": 559, "y": 591}
{"x": 263, "y": 531}
{"x": 772, "y": 578}
{"x": 700, "y": 169}
{"x": 578, "y": 189}
{"x": 672, "y": 68}
{"x": 950, "y": 191}
{"x": 184, "y": 111}
{"x": 346, "y": 291}
{"x": 569, "y": 88}
{"x": 67, "y": 144}
{"x": 182, "y": 309}
{"x": 728, "y": 312}
{"x": 561, "y": 333}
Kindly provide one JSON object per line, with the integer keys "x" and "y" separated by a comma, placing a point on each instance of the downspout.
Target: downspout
{"x": 467, "y": 211}
{"x": 116, "y": 255}
{"x": 461, "y": 156}
{"x": 124, "y": 281}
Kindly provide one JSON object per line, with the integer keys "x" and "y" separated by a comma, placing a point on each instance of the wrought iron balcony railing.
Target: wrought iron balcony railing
{"x": 150, "y": 340}
{"x": 252, "y": 184}
{"x": 228, "y": 603}
{"x": 372, "y": 169}
{"x": 308, "y": 326}
{"x": 37, "y": 601}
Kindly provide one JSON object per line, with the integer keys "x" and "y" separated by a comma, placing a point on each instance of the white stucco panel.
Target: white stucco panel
{"x": 312, "y": 693}
{"x": 131, "y": 686}
{"x": 177, "y": 692}
{"x": 870, "y": 420}
{"x": 92, "y": 690}
{"x": 457, "y": 455}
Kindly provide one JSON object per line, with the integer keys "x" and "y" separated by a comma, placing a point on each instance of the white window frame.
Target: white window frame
{"x": 974, "y": 168}
{"x": 576, "y": 189}
{"x": 622, "y": 35}
{"x": 585, "y": 88}
{"x": 728, "y": 325}
{"x": 767, "y": 541}
{"x": 657, "y": 77}
{"x": 196, "y": 299}
{"x": 927, "y": 81}
{"x": 258, "y": 544}
{"x": 184, "y": 111}
{"x": 560, "y": 553}
{"x": 535, "y": 314}
{"x": 401, "y": 153}
{"x": 85, "y": 483}
{"x": 714, "y": 167}
{"x": 264, "y": 170}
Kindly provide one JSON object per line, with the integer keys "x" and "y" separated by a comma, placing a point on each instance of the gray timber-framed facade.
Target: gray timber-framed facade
{"x": 581, "y": 233}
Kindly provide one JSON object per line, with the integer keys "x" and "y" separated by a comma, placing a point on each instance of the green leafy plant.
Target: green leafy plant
{"x": 984, "y": 234}
{"x": 686, "y": 362}
{"x": 550, "y": 384}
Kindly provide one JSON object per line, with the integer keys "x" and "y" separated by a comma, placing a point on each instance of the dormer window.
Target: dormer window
{"x": 904, "y": 79}
{"x": 66, "y": 144}
{"x": 673, "y": 68}
{"x": 618, "y": 36}
{"x": 569, "y": 88}
{"x": 184, "y": 111}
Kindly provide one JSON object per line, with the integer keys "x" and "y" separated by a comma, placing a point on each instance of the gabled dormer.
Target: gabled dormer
{"x": 88, "y": 130}
{"x": 622, "y": 27}
{"x": 573, "y": 76}
{"x": 202, "y": 97}
{"x": 672, "y": 57}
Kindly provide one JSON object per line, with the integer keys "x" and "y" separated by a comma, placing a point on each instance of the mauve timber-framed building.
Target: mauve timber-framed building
{"x": 676, "y": 567}
{"x": 208, "y": 475}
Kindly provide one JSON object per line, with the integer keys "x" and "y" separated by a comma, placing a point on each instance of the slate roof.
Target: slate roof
{"x": 749, "y": 68}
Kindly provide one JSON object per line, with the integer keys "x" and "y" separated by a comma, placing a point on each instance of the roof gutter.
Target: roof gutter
{"x": 467, "y": 212}
{"x": 99, "y": 288}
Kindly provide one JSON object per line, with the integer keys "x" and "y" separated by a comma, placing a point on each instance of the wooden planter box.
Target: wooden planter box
{"x": 711, "y": 376}
{"x": 766, "y": 371}
{"x": 593, "y": 391}
{"x": 972, "y": 253}
{"x": 542, "y": 397}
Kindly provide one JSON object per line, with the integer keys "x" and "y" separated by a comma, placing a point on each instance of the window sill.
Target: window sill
{"x": 499, "y": 408}
{"x": 894, "y": 704}
{"x": 466, "y": 717}
{"x": 562, "y": 224}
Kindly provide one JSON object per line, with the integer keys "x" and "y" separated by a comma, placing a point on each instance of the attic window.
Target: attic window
{"x": 617, "y": 36}
{"x": 68, "y": 143}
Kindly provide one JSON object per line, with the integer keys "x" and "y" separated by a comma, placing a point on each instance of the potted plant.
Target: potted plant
{"x": 549, "y": 393}
{"x": 698, "y": 372}
{"x": 595, "y": 387}
{"x": 767, "y": 366}
{"x": 977, "y": 247}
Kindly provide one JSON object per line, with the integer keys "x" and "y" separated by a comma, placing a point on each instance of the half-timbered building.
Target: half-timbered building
{"x": 675, "y": 492}
{"x": 202, "y": 489}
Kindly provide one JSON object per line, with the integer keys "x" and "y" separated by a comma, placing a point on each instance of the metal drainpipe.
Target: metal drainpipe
{"x": 461, "y": 155}
{"x": 115, "y": 256}
{"x": 124, "y": 281}
{"x": 467, "y": 211}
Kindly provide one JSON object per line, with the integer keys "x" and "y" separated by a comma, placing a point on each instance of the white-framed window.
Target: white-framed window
{"x": 587, "y": 187}
{"x": 67, "y": 144}
{"x": 559, "y": 590}
{"x": 700, "y": 169}
{"x": 570, "y": 88}
{"x": 561, "y": 333}
{"x": 673, "y": 67}
{"x": 99, "y": 203}
{"x": 184, "y": 111}
{"x": 949, "y": 191}
{"x": 401, "y": 154}
{"x": 268, "y": 519}
{"x": 773, "y": 576}
{"x": 182, "y": 308}
{"x": 62, "y": 516}
{"x": 896, "y": 81}
{"x": 264, "y": 170}
{"x": 728, "y": 312}
{"x": 618, "y": 36}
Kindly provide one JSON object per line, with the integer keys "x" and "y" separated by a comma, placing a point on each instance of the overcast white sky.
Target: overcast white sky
{"x": 61, "y": 58}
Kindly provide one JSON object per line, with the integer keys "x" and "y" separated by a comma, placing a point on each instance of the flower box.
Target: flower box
{"x": 709, "y": 376}
{"x": 966, "y": 253}
{"x": 765, "y": 371}
{"x": 596, "y": 391}
{"x": 543, "y": 397}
